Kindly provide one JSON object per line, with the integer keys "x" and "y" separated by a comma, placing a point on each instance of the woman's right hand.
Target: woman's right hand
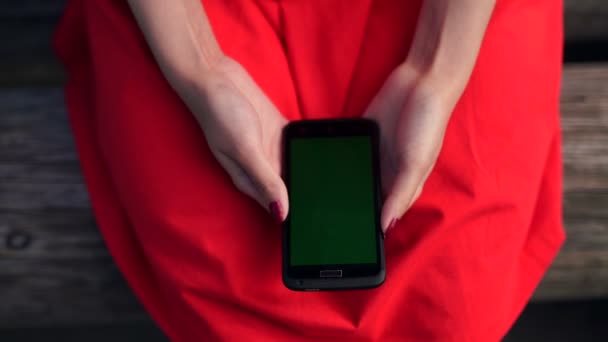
{"x": 243, "y": 129}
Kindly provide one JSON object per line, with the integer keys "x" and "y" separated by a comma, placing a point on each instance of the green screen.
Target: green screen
{"x": 332, "y": 213}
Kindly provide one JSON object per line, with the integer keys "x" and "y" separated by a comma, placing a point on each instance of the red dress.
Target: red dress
{"x": 205, "y": 260}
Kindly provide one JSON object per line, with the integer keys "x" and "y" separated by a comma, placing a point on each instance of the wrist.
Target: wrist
{"x": 192, "y": 70}
{"x": 191, "y": 80}
{"x": 444, "y": 91}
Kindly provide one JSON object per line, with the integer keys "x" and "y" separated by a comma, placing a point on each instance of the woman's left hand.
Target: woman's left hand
{"x": 412, "y": 116}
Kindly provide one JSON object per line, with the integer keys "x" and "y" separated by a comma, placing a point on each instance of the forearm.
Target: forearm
{"x": 446, "y": 43}
{"x": 180, "y": 37}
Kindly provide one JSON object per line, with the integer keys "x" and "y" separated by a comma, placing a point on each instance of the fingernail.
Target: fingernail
{"x": 391, "y": 226}
{"x": 275, "y": 211}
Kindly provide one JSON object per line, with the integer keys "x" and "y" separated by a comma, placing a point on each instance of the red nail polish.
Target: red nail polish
{"x": 275, "y": 211}
{"x": 391, "y": 226}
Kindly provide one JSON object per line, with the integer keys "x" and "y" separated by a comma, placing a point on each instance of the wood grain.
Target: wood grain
{"x": 55, "y": 269}
{"x": 581, "y": 269}
{"x": 65, "y": 275}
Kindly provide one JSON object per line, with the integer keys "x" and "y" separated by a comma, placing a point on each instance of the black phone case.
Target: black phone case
{"x": 334, "y": 283}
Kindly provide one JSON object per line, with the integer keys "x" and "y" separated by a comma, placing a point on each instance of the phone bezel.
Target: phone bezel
{"x": 354, "y": 276}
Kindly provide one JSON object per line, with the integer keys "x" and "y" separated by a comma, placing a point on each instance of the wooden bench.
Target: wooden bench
{"x": 54, "y": 267}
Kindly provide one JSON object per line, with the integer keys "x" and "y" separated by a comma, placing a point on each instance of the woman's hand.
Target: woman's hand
{"x": 415, "y": 103}
{"x": 412, "y": 117}
{"x": 243, "y": 129}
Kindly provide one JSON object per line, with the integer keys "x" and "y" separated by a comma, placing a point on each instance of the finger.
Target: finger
{"x": 416, "y": 195}
{"x": 419, "y": 189}
{"x": 269, "y": 186}
{"x": 404, "y": 189}
{"x": 253, "y": 174}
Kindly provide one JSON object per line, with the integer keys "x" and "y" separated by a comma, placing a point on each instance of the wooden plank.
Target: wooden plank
{"x": 34, "y": 127}
{"x": 55, "y": 269}
{"x": 63, "y": 274}
{"x": 581, "y": 269}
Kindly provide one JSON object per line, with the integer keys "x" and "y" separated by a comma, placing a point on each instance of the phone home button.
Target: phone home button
{"x": 330, "y": 274}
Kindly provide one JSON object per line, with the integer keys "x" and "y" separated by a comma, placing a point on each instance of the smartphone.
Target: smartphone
{"x": 332, "y": 237}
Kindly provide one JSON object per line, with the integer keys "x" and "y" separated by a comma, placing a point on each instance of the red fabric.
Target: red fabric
{"x": 205, "y": 260}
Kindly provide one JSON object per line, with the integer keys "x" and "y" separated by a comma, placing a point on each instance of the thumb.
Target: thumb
{"x": 405, "y": 188}
{"x": 253, "y": 175}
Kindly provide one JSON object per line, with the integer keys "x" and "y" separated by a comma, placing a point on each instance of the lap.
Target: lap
{"x": 216, "y": 254}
